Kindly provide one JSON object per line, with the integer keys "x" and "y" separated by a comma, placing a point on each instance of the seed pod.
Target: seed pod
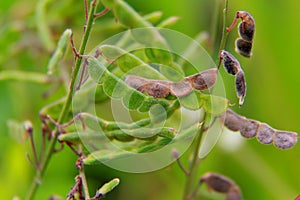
{"x": 231, "y": 64}
{"x": 158, "y": 89}
{"x": 240, "y": 85}
{"x": 265, "y": 134}
{"x": 222, "y": 184}
{"x": 136, "y": 82}
{"x": 232, "y": 120}
{"x": 243, "y": 47}
{"x": 246, "y": 31}
{"x": 285, "y": 139}
{"x": 249, "y": 128}
{"x": 181, "y": 88}
{"x": 203, "y": 80}
{"x": 247, "y": 26}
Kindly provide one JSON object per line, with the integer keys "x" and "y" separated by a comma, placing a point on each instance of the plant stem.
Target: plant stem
{"x": 45, "y": 160}
{"x": 189, "y": 190}
{"x": 188, "y": 187}
{"x": 224, "y": 32}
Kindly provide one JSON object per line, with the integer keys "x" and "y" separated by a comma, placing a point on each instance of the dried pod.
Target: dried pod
{"x": 249, "y": 128}
{"x": 240, "y": 85}
{"x": 246, "y": 31}
{"x": 232, "y": 120}
{"x": 203, "y": 80}
{"x": 246, "y": 27}
{"x": 265, "y": 134}
{"x": 285, "y": 139}
{"x": 136, "y": 82}
{"x": 231, "y": 64}
{"x": 181, "y": 88}
{"x": 243, "y": 47}
{"x": 158, "y": 89}
{"x": 222, "y": 184}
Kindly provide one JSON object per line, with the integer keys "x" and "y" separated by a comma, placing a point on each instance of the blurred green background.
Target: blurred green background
{"x": 262, "y": 172}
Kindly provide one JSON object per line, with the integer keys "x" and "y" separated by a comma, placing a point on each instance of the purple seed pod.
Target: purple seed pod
{"x": 285, "y": 139}
{"x": 231, "y": 64}
{"x": 243, "y": 47}
{"x": 181, "y": 88}
{"x": 203, "y": 80}
{"x": 222, "y": 184}
{"x": 158, "y": 89}
{"x": 246, "y": 30}
{"x": 240, "y": 85}
{"x": 249, "y": 128}
{"x": 136, "y": 82}
{"x": 232, "y": 120}
{"x": 265, "y": 134}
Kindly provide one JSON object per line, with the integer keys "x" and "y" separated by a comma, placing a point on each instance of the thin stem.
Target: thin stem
{"x": 48, "y": 155}
{"x": 187, "y": 193}
{"x": 224, "y": 31}
{"x": 84, "y": 183}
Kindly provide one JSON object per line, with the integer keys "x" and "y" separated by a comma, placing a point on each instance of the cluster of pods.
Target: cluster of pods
{"x": 263, "y": 132}
{"x": 162, "y": 88}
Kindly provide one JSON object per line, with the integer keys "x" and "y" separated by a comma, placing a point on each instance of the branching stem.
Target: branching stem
{"x": 45, "y": 160}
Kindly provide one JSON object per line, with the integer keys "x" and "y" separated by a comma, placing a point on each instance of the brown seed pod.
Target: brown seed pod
{"x": 203, "y": 80}
{"x": 246, "y": 27}
{"x": 158, "y": 89}
{"x": 240, "y": 85}
{"x": 136, "y": 82}
{"x": 231, "y": 64}
{"x": 232, "y": 120}
{"x": 246, "y": 31}
{"x": 181, "y": 88}
{"x": 243, "y": 47}
{"x": 249, "y": 128}
{"x": 265, "y": 134}
{"x": 285, "y": 139}
{"x": 222, "y": 184}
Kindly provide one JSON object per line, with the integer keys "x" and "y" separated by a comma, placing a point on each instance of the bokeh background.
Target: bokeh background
{"x": 262, "y": 172}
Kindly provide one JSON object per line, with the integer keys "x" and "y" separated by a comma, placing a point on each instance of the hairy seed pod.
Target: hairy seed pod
{"x": 232, "y": 120}
{"x": 136, "y": 82}
{"x": 243, "y": 47}
{"x": 240, "y": 85}
{"x": 158, "y": 89}
{"x": 222, "y": 184}
{"x": 231, "y": 64}
{"x": 265, "y": 134}
{"x": 247, "y": 26}
{"x": 181, "y": 88}
{"x": 203, "y": 80}
{"x": 285, "y": 139}
{"x": 249, "y": 128}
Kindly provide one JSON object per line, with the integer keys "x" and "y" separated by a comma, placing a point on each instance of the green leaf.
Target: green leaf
{"x": 133, "y": 100}
{"x": 114, "y": 87}
{"x": 214, "y": 104}
{"x": 100, "y": 156}
{"x": 192, "y": 101}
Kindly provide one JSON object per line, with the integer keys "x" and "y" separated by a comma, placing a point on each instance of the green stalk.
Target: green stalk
{"x": 188, "y": 186}
{"x": 45, "y": 160}
{"x": 189, "y": 190}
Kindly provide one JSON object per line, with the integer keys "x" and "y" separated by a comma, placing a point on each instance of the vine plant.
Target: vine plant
{"x": 109, "y": 66}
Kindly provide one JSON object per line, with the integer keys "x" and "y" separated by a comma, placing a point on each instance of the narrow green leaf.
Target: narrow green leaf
{"x": 214, "y": 104}
{"x": 192, "y": 101}
{"x": 100, "y": 156}
{"x": 133, "y": 100}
